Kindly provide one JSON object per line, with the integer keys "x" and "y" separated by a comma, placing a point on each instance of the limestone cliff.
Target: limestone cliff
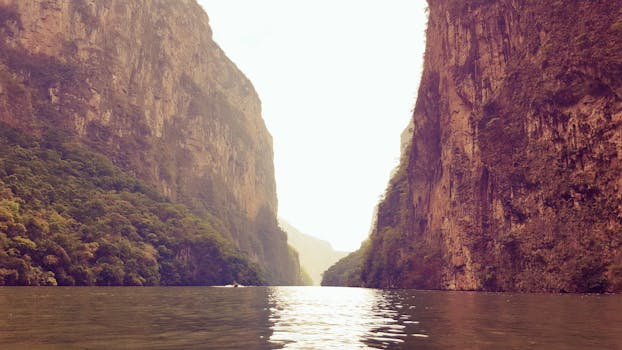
{"x": 144, "y": 83}
{"x": 512, "y": 179}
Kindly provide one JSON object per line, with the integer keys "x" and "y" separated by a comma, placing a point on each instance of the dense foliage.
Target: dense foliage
{"x": 347, "y": 271}
{"x": 68, "y": 216}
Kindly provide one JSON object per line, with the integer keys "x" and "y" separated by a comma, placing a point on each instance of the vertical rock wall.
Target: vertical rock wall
{"x": 512, "y": 178}
{"x": 144, "y": 83}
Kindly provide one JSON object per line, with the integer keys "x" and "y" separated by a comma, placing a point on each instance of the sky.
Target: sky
{"x": 338, "y": 81}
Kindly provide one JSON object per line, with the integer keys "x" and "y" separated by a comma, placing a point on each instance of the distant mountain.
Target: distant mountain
{"x": 316, "y": 255}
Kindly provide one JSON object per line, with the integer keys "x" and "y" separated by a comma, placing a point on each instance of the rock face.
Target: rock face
{"x": 512, "y": 178}
{"x": 143, "y": 83}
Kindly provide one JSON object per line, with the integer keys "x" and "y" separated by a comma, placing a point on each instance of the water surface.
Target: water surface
{"x": 303, "y": 318}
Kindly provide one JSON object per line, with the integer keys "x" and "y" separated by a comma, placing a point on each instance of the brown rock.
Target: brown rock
{"x": 144, "y": 83}
{"x": 512, "y": 178}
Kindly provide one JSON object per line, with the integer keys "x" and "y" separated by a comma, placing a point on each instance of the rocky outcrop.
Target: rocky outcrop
{"x": 144, "y": 83}
{"x": 512, "y": 178}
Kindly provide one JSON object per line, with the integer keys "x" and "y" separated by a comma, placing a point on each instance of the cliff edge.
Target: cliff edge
{"x": 511, "y": 181}
{"x": 143, "y": 83}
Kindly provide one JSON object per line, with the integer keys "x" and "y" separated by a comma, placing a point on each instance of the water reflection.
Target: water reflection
{"x": 332, "y": 318}
{"x": 473, "y": 320}
{"x": 303, "y": 318}
{"x": 343, "y": 318}
{"x": 134, "y": 318}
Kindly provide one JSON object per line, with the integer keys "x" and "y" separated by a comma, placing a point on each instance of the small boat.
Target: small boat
{"x": 233, "y": 285}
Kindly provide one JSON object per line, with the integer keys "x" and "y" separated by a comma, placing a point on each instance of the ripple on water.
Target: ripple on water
{"x": 335, "y": 318}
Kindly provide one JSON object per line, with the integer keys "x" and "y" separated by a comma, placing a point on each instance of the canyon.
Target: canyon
{"x": 143, "y": 83}
{"x": 510, "y": 179}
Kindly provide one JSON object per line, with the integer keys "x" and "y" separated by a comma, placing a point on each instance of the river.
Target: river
{"x": 303, "y": 318}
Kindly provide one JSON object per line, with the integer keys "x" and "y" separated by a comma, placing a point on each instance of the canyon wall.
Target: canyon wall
{"x": 144, "y": 83}
{"x": 512, "y": 179}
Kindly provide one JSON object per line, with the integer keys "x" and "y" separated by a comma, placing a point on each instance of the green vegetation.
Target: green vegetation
{"x": 347, "y": 271}
{"x": 68, "y": 216}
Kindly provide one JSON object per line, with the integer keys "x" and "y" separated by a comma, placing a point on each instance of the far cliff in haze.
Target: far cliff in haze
{"x": 316, "y": 255}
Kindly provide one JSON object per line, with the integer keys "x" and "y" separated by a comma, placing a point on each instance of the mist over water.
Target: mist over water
{"x": 303, "y": 318}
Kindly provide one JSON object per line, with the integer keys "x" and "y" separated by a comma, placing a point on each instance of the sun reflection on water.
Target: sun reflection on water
{"x": 336, "y": 318}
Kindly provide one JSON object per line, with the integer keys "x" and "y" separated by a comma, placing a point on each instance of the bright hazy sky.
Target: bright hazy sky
{"x": 337, "y": 80}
